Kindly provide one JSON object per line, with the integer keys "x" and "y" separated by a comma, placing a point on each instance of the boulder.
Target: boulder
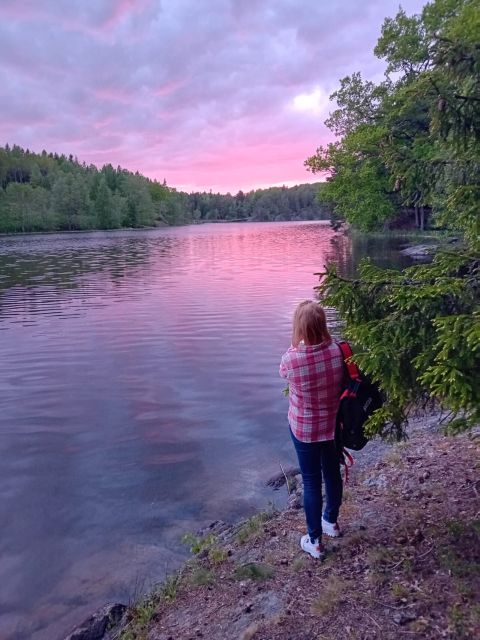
{"x": 95, "y": 626}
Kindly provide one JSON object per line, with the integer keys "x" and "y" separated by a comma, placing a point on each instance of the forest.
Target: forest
{"x": 409, "y": 149}
{"x": 51, "y": 192}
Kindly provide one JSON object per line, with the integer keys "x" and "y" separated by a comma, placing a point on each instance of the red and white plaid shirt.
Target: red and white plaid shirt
{"x": 315, "y": 375}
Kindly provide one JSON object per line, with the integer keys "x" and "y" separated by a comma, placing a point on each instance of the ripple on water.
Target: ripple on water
{"x": 140, "y": 399}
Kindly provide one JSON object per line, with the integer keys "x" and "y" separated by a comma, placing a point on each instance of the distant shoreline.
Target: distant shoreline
{"x": 16, "y": 234}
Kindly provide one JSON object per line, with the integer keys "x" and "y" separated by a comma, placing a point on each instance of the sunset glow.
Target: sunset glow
{"x": 221, "y": 95}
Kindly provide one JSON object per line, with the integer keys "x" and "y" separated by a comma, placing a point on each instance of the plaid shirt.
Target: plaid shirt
{"x": 315, "y": 374}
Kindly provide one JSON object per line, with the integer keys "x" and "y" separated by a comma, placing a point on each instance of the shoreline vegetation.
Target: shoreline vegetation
{"x": 51, "y": 192}
{"x": 408, "y": 563}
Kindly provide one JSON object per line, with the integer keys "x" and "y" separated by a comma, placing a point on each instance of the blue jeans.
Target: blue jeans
{"x": 317, "y": 459}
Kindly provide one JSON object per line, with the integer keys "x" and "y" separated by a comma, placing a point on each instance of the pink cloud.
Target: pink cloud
{"x": 202, "y": 94}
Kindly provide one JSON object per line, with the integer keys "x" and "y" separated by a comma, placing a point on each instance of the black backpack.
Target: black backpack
{"x": 359, "y": 400}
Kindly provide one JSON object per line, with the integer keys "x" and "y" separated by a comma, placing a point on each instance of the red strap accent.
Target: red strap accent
{"x": 349, "y": 457}
{"x": 352, "y": 369}
{"x": 348, "y": 461}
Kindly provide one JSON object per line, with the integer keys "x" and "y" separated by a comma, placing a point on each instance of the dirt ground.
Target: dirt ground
{"x": 407, "y": 565}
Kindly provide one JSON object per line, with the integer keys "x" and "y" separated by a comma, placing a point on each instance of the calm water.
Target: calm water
{"x": 140, "y": 399}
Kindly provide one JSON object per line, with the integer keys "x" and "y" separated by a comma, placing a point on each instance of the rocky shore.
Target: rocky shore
{"x": 408, "y": 563}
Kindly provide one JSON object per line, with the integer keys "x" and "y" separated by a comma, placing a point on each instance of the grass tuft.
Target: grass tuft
{"x": 169, "y": 589}
{"x": 254, "y": 571}
{"x": 331, "y": 595}
{"x": 252, "y": 527}
{"x": 201, "y": 577}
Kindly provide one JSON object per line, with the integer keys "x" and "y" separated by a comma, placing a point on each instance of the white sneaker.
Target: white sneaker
{"x": 329, "y": 529}
{"x": 315, "y": 549}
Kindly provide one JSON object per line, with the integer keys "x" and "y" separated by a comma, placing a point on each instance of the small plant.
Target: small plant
{"x": 141, "y": 613}
{"x": 456, "y": 565}
{"x": 357, "y": 538}
{"x": 379, "y": 557}
{"x": 330, "y": 596}
{"x": 399, "y": 590}
{"x": 457, "y": 621}
{"x": 144, "y": 611}
{"x": 198, "y": 543}
{"x": 252, "y": 527}
{"x": 169, "y": 589}
{"x": 254, "y": 571}
{"x": 217, "y": 555}
{"x": 299, "y": 564}
{"x": 456, "y": 528}
{"x": 201, "y": 576}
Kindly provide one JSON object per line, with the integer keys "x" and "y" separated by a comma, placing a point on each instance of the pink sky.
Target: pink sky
{"x": 207, "y": 94}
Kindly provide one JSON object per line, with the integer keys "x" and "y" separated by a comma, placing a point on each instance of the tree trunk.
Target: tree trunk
{"x": 422, "y": 218}
{"x": 416, "y": 217}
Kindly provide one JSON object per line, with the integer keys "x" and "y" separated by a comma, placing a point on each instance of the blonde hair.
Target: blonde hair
{"x": 309, "y": 324}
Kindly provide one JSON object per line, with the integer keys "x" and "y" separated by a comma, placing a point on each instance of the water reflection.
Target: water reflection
{"x": 140, "y": 399}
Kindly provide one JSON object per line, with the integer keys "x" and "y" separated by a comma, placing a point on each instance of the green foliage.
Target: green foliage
{"x": 276, "y": 203}
{"x": 410, "y": 146}
{"x": 404, "y": 44}
{"x": 357, "y": 103}
{"x": 169, "y": 589}
{"x": 417, "y": 332}
{"x": 360, "y": 187}
{"x": 47, "y": 192}
{"x": 217, "y": 555}
{"x": 198, "y": 543}
{"x": 201, "y": 577}
{"x": 252, "y": 527}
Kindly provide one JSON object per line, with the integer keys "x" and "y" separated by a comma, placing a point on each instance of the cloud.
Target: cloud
{"x": 315, "y": 102}
{"x": 208, "y": 94}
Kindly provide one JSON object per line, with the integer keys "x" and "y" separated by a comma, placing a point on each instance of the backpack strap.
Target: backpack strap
{"x": 348, "y": 461}
{"x": 352, "y": 369}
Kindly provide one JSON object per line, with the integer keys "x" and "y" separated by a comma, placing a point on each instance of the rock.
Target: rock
{"x": 217, "y": 528}
{"x": 417, "y": 536}
{"x": 420, "y": 251}
{"x": 294, "y": 502}
{"x": 378, "y": 481}
{"x": 403, "y": 617}
{"x": 278, "y": 480}
{"x": 95, "y": 626}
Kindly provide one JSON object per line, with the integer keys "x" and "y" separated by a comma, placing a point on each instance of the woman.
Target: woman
{"x": 314, "y": 368}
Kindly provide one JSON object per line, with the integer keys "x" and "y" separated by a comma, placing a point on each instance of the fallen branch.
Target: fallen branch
{"x": 278, "y": 480}
{"x": 373, "y": 620}
{"x": 286, "y": 478}
{"x": 424, "y": 554}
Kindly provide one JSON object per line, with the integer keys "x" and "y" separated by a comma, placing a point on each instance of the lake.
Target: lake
{"x": 141, "y": 400}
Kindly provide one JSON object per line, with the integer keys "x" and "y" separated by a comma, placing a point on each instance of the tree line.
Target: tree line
{"x": 51, "y": 192}
{"x": 409, "y": 147}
